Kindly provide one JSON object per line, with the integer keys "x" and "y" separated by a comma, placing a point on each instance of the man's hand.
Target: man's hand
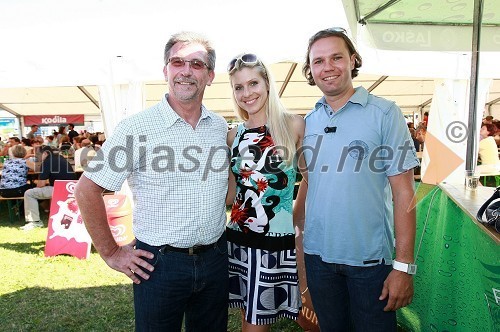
{"x": 399, "y": 287}
{"x": 127, "y": 260}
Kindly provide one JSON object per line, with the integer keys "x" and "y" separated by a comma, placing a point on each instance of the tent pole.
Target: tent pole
{"x": 471, "y": 155}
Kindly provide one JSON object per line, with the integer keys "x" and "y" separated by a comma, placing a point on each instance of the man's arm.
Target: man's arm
{"x": 5, "y": 150}
{"x": 43, "y": 176}
{"x": 299, "y": 205}
{"x": 124, "y": 259}
{"x": 399, "y": 285}
{"x": 231, "y": 184}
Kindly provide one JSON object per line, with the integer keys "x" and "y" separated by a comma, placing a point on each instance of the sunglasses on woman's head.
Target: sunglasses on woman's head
{"x": 248, "y": 59}
{"x": 337, "y": 29}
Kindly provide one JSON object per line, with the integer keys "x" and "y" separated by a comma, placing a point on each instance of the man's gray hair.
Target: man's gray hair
{"x": 189, "y": 37}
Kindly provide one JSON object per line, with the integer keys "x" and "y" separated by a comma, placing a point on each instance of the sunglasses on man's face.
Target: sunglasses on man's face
{"x": 248, "y": 59}
{"x": 196, "y": 64}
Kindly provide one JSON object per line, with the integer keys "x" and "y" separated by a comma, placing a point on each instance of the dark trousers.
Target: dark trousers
{"x": 194, "y": 286}
{"x": 15, "y": 192}
{"x": 345, "y": 298}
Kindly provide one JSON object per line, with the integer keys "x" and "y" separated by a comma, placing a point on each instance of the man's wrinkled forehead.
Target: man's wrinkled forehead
{"x": 189, "y": 50}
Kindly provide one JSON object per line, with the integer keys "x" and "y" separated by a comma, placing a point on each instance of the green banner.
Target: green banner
{"x": 457, "y": 285}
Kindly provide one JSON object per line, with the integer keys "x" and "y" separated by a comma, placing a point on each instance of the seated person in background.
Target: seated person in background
{"x": 77, "y": 140}
{"x": 38, "y": 140}
{"x": 420, "y": 136}
{"x": 101, "y": 137}
{"x": 51, "y": 142}
{"x": 64, "y": 143}
{"x": 14, "y": 181}
{"x": 496, "y": 123}
{"x": 488, "y": 151}
{"x": 488, "y": 120}
{"x": 53, "y": 167}
{"x": 7, "y": 150}
{"x": 416, "y": 142}
{"x": 84, "y": 154}
{"x": 26, "y": 143}
{"x": 95, "y": 141}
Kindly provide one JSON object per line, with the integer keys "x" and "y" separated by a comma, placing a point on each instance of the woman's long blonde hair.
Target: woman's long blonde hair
{"x": 279, "y": 121}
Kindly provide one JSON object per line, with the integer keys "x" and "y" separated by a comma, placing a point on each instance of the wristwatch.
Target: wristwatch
{"x": 404, "y": 267}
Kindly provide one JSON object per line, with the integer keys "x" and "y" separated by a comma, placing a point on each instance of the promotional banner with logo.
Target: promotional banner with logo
{"x": 66, "y": 231}
{"x": 51, "y": 120}
{"x": 119, "y": 211}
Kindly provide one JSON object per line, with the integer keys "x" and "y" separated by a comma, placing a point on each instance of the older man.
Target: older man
{"x": 178, "y": 179}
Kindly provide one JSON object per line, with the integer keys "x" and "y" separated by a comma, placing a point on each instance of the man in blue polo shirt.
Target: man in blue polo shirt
{"x": 359, "y": 187}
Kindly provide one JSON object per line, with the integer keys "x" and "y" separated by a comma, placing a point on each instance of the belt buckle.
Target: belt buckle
{"x": 191, "y": 250}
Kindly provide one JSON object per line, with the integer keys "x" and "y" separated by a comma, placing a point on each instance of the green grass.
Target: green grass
{"x": 64, "y": 293}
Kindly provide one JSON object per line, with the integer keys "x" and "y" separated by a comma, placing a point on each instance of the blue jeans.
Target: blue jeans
{"x": 345, "y": 298}
{"x": 194, "y": 286}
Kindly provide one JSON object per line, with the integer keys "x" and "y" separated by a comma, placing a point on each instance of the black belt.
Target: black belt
{"x": 190, "y": 251}
{"x": 195, "y": 250}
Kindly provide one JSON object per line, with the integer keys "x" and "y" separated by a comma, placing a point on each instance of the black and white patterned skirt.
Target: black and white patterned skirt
{"x": 264, "y": 283}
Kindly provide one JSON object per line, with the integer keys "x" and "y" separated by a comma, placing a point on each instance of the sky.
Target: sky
{"x": 49, "y": 42}
{"x": 77, "y": 42}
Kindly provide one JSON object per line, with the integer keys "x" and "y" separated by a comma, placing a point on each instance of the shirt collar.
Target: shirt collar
{"x": 360, "y": 96}
{"x": 172, "y": 117}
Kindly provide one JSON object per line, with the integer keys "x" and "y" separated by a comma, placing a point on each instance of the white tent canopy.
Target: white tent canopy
{"x": 56, "y": 54}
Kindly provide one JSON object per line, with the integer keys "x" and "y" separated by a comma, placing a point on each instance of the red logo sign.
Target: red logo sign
{"x": 66, "y": 231}
{"x": 50, "y": 120}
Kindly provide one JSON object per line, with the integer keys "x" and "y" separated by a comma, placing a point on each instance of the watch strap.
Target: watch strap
{"x": 404, "y": 267}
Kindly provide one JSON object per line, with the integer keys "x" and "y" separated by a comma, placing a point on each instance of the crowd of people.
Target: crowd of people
{"x": 59, "y": 140}
{"x": 49, "y": 160}
{"x": 488, "y": 147}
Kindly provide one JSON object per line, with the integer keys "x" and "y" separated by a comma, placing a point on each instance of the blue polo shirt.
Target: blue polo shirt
{"x": 349, "y": 215}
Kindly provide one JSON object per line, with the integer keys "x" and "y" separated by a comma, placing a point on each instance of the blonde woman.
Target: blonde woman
{"x": 263, "y": 279}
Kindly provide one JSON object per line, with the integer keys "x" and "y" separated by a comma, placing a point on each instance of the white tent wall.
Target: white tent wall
{"x": 427, "y": 50}
{"x": 93, "y": 123}
{"x": 123, "y": 95}
{"x": 495, "y": 111}
{"x": 449, "y": 115}
{"x": 119, "y": 99}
